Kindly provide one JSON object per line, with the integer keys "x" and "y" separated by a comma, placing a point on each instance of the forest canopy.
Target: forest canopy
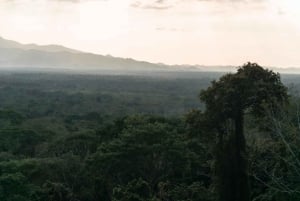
{"x": 132, "y": 138}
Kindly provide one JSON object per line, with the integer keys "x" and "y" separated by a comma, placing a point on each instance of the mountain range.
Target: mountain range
{"x": 14, "y": 55}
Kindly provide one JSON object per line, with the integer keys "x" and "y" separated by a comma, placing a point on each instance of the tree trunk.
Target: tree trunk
{"x": 240, "y": 176}
{"x": 231, "y": 165}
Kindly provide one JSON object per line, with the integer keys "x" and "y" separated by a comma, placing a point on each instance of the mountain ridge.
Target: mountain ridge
{"x": 4, "y": 43}
{"x": 17, "y": 55}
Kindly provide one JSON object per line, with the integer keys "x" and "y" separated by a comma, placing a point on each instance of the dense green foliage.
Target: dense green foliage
{"x": 59, "y": 95}
{"x": 251, "y": 89}
{"x": 127, "y": 138}
{"x": 131, "y": 158}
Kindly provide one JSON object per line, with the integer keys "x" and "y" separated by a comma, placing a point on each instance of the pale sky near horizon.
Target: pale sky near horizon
{"x": 207, "y": 32}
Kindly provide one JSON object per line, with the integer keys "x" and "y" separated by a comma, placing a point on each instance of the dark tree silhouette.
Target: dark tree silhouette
{"x": 250, "y": 89}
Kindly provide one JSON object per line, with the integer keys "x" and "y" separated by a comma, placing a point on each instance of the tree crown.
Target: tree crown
{"x": 252, "y": 87}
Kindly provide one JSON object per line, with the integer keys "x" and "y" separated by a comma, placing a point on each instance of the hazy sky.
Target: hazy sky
{"x": 206, "y": 32}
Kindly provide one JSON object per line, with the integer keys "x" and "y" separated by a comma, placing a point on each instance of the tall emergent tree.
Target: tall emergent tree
{"x": 249, "y": 90}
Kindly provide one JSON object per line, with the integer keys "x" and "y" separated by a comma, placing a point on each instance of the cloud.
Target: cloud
{"x": 166, "y": 4}
{"x": 154, "y": 5}
{"x": 232, "y": 1}
{"x": 281, "y": 11}
{"x": 70, "y": 1}
{"x": 76, "y": 1}
{"x": 170, "y": 29}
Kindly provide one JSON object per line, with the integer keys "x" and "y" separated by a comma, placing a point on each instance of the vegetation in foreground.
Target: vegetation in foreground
{"x": 85, "y": 142}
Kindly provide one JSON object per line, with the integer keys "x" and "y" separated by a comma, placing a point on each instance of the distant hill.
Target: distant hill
{"x": 16, "y": 56}
{"x": 48, "y": 48}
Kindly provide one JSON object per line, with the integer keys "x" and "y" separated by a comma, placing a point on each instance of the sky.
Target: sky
{"x": 204, "y": 32}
